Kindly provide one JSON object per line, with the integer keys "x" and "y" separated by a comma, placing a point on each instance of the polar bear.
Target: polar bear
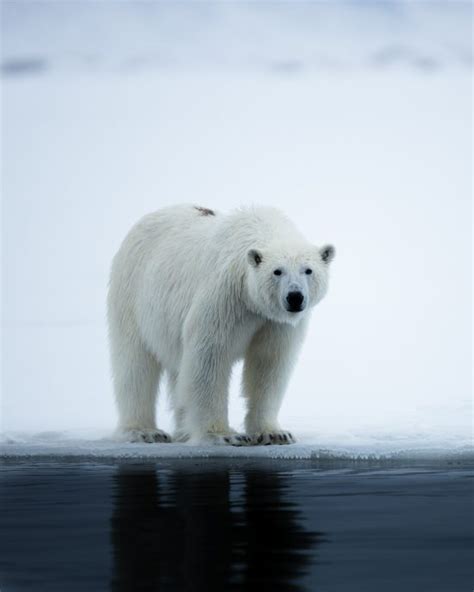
{"x": 192, "y": 292}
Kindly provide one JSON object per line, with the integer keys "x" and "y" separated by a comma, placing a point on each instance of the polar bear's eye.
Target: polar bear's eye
{"x": 277, "y": 272}
{"x": 308, "y": 271}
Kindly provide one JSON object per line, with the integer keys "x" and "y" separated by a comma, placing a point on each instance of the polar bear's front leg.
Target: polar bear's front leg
{"x": 267, "y": 369}
{"x": 202, "y": 389}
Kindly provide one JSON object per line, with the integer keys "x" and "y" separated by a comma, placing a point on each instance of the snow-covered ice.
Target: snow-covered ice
{"x": 353, "y": 118}
{"x": 93, "y": 444}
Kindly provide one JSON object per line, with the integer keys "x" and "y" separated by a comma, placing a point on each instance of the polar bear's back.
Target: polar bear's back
{"x": 179, "y": 233}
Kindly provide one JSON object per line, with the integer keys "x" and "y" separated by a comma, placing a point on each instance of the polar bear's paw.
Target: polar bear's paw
{"x": 278, "y": 437}
{"x": 149, "y": 435}
{"x": 224, "y": 439}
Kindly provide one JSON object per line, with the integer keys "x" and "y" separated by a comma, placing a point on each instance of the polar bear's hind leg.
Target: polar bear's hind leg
{"x": 136, "y": 375}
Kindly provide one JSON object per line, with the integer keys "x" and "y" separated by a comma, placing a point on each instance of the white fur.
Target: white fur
{"x": 192, "y": 293}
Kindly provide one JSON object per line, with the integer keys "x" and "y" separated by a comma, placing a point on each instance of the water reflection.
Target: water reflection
{"x": 202, "y": 529}
{"x": 233, "y": 525}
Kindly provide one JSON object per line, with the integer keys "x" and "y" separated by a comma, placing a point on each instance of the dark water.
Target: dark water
{"x": 208, "y": 525}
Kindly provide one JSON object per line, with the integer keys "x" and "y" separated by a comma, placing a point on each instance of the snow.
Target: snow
{"x": 353, "y": 118}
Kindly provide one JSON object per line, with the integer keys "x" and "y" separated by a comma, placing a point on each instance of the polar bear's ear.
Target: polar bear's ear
{"x": 327, "y": 253}
{"x": 254, "y": 257}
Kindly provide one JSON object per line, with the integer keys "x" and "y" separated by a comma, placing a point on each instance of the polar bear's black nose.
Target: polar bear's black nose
{"x": 295, "y": 301}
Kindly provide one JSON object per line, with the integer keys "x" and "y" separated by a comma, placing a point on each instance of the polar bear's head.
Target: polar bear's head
{"x": 285, "y": 282}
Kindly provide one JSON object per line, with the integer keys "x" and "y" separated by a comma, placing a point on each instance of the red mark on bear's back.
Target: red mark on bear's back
{"x": 205, "y": 211}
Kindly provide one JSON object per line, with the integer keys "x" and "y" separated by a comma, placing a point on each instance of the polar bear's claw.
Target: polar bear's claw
{"x": 243, "y": 439}
{"x": 229, "y": 439}
{"x": 276, "y": 438}
{"x": 149, "y": 435}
